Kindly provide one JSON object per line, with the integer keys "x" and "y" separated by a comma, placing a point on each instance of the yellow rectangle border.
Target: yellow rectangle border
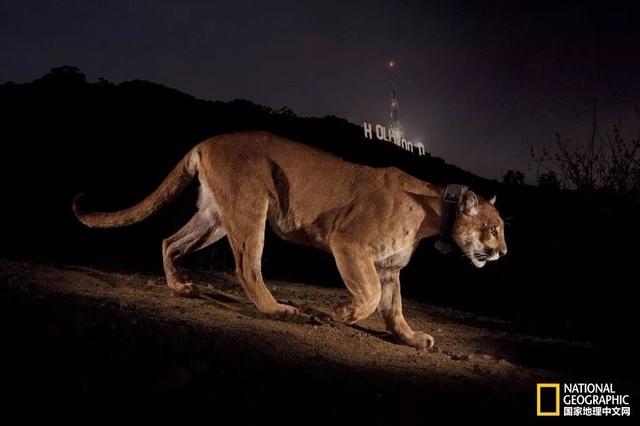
{"x": 556, "y": 386}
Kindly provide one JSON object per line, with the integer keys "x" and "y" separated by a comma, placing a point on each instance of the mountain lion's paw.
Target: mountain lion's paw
{"x": 283, "y": 311}
{"x": 418, "y": 340}
{"x": 344, "y": 313}
{"x": 186, "y": 290}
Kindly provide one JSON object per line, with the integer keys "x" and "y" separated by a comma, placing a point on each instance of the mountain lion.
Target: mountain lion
{"x": 370, "y": 219}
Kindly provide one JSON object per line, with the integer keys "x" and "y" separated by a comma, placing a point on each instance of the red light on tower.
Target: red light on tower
{"x": 391, "y": 64}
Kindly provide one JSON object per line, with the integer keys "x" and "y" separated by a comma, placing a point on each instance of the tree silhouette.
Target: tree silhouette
{"x": 604, "y": 161}
{"x": 548, "y": 180}
{"x": 63, "y": 75}
{"x": 513, "y": 177}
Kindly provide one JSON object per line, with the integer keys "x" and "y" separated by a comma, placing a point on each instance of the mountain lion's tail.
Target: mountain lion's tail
{"x": 168, "y": 190}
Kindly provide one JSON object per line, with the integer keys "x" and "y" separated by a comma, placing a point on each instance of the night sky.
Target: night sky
{"x": 478, "y": 85}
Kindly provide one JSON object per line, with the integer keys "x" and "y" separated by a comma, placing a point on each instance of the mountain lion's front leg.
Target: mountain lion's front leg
{"x": 391, "y": 309}
{"x": 359, "y": 275}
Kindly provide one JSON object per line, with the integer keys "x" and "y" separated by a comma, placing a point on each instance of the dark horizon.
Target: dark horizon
{"x": 477, "y": 85}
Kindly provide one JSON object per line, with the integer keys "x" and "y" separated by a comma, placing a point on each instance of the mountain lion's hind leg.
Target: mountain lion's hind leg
{"x": 391, "y": 309}
{"x": 203, "y": 229}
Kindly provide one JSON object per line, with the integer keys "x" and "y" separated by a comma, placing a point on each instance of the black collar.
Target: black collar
{"x": 448, "y": 213}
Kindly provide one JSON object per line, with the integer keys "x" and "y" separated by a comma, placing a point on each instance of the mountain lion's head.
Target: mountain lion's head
{"x": 479, "y": 229}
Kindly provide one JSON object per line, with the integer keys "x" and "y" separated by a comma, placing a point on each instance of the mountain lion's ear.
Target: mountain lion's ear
{"x": 493, "y": 200}
{"x": 469, "y": 203}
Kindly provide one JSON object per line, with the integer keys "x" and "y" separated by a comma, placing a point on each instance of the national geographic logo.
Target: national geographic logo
{"x": 581, "y": 399}
{"x": 548, "y": 399}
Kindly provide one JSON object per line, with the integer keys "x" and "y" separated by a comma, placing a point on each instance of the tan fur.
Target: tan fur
{"x": 370, "y": 219}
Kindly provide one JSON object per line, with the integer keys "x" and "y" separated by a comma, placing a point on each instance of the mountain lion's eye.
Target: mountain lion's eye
{"x": 494, "y": 230}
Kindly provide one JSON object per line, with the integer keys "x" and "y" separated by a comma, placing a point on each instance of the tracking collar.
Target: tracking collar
{"x": 450, "y": 200}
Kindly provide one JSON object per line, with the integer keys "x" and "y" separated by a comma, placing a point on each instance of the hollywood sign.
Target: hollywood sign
{"x": 393, "y": 136}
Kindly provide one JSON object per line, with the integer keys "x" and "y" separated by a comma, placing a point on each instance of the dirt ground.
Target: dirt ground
{"x": 80, "y": 341}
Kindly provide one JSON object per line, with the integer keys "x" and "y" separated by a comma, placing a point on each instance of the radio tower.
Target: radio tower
{"x": 396, "y": 127}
